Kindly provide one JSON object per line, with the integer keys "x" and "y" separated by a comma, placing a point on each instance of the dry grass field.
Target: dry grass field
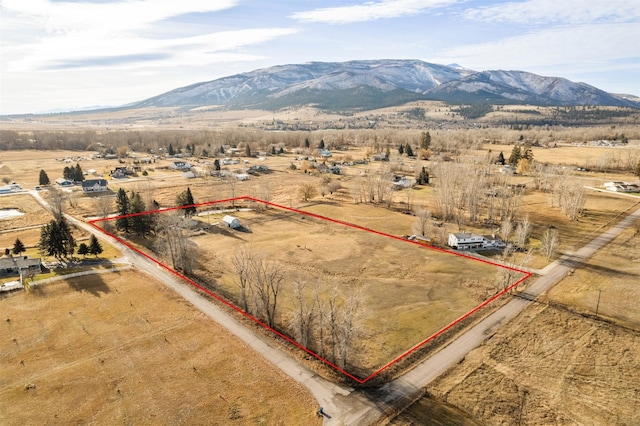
{"x": 408, "y": 292}
{"x": 549, "y": 366}
{"x": 613, "y": 275}
{"x": 33, "y": 213}
{"x": 122, "y": 349}
{"x": 556, "y": 363}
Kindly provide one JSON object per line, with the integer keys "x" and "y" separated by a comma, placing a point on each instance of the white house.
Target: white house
{"x": 470, "y": 241}
{"x": 94, "y": 185}
{"x": 180, "y": 165}
{"x": 231, "y": 222}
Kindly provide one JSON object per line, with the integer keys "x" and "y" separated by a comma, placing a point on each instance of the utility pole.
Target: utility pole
{"x": 598, "y": 304}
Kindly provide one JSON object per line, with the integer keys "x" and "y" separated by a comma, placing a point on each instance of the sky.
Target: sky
{"x": 66, "y": 55}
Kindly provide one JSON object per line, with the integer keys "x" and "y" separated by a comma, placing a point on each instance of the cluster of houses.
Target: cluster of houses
{"x": 622, "y": 186}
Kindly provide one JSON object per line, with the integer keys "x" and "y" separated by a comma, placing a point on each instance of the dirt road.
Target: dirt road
{"x": 342, "y": 405}
{"x": 347, "y": 406}
{"x": 408, "y": 385}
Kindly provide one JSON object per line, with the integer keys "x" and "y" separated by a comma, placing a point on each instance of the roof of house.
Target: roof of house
{"x": 91, "y": 182}
{"x": 18, "y": 262}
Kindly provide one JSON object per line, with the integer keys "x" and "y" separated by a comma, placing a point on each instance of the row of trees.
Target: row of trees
{"x": 327, "y": 327}
{"x": 74, "y": 174}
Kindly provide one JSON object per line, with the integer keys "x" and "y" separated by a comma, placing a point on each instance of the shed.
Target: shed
{"x": 231, "y": 222}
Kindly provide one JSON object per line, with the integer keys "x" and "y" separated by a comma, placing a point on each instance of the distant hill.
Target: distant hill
{"x": 366, "y": 85}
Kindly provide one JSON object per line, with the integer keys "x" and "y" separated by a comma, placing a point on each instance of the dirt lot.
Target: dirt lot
{"x": 122, "y": 349}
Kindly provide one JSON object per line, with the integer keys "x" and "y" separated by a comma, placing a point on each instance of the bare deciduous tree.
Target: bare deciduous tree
{"x": 57, "y": 201}
{"x": 522, "y": 232}
{"x": 549, "y": 243}
{"x": 304, "y": 313}
{"x": 422, "y": 223}
{"x": 307, "y": 191}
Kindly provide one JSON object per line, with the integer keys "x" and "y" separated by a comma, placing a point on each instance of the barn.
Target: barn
{"x": 231, "y": 222}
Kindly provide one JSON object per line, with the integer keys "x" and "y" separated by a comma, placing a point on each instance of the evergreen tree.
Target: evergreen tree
{"x": 408, "y": 150}
{"x": 18, "y": 247}
{"x": 95, "y": 248}
{"x": 67, "y": 173}
{"x": 216, "y": 165}
{"x": 501, "y": 159}
{"x": 273, "y": 150}
{"x": 247, "y": 151}
{"x": 66, "y": 236}
{"x": 423, "y": 177}
{"x": 527, "y": 153}
{"x": 171, "y": 151}
{"x": 401, "y": 149}
{"x": 321, "y": 145}
{"x": 307, "y": 144}
{"x": 186, "y": 199}
{"x": 44, "y": 178}
{"x": 83, "y": 249}
{"x": 425, "y": 140}
{"x": 78, "y": 176}
{"x": 56, "y": 239}
{"x": 122, "y": 205}
{"x": 281, "y": 151}
{"x": 221, "y": 149}
{"x": 140, "y": 223}
{"x": 515, "y": 156}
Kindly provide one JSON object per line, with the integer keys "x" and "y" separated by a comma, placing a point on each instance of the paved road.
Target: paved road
{"x": 406, "y": 386}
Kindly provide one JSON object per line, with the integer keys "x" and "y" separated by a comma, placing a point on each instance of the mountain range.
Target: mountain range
{"x": 371, "y": 84}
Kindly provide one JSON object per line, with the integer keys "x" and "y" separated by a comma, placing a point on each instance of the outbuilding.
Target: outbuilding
{"x": 231, "y": 222}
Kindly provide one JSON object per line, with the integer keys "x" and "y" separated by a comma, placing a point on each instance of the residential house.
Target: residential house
{"x": 15, "y": 264}
{"x": 94, "y": 185}
{"x": 469, "y": 241}
{"x": 180, "y": 165}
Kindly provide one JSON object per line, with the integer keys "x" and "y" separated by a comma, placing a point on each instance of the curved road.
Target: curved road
{"x": 347, "y": 406}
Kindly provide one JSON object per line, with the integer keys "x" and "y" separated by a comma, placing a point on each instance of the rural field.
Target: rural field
{"x": 121, "y": 348}
{"x": 141, "y": 354}
{"x": 406, "y": 291}
{"x": 557, "y": 363}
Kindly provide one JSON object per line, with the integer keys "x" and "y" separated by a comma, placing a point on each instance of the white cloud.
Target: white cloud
{"x": 558, "y": 11}
{"x": 582, "y": 46}
{"x": 108, "y": 35}
{"x": 369, "y": 11}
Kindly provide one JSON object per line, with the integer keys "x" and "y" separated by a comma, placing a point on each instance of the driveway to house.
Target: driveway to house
{"x": 347, "y": 406}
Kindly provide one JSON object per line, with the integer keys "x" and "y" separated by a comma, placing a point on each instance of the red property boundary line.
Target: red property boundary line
{"x": 339, "y": 222}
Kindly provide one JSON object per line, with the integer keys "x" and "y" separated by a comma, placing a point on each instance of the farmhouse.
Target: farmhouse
{"x": 231, "y": 222}
{"x": 469, "y": 241}
{"x": 94, "y": 185}
{"x": 13, "y": 265}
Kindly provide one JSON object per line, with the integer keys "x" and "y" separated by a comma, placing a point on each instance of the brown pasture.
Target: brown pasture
{"x": 121, "y": 348}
